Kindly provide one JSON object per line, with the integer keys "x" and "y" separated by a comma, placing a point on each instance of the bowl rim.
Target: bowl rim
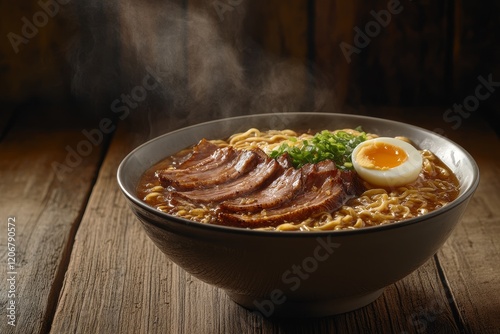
{"x": 238, "y": 230}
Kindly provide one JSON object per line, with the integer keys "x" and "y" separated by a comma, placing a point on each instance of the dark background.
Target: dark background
{"x": 229, "y": 57}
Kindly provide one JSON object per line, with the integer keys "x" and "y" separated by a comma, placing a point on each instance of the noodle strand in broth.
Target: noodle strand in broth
{"x": 435, "y": 187}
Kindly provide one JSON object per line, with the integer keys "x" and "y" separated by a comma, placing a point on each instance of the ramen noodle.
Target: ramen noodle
{"x": 435, "y": 187}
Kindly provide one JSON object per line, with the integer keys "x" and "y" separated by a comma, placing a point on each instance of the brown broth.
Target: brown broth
{"x": 442, "y": 177}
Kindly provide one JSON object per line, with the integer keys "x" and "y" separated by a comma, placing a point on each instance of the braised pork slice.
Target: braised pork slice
{"x": 219, "y": 157}
{"x": 247, "y": 188}
{"x": 198, "y": 155}
{"x": 281, "y": 190}
{"x": 285, "y": 160}
{"x": 241, "y": 163}
{"x": 353, "y": 184}
{"x": 284, "y": 188}
{"x": 248, "y": 183}
{"x": 322, "y": 195}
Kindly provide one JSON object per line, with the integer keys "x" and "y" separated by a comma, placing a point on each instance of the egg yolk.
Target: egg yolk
{"x": 381, "y": 156}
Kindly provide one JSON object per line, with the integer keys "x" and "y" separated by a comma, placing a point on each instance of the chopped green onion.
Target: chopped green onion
{"x": 325, "y": 145}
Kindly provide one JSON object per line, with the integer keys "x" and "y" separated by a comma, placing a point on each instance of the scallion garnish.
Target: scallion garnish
{"x": 324, "y": 145}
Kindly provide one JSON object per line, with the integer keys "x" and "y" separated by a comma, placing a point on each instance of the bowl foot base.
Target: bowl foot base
{"x": 306, "y": 308}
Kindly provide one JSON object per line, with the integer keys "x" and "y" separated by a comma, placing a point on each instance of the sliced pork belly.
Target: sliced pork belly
{"x": 290, "y": 184}
{"x": 311, "y": 172}
{"x": 234, "y": 166}
{"x": 247, "y": 183}
{"x": 353, "y": 184}
{"x": 220, "y": 157}
{"x": 281, "y": 190}
{"x": 285, "y": 160}
{"x": 249, "y": 189}
{"x": 322, "y": 195}
{"x": 198, "y": 154}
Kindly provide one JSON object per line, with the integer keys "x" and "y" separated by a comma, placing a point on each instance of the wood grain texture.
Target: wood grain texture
{"x": 333, "y": 25}
{"x": 118, "y": 281}
{"x": 428, "y": 53}
{"x": 216, "y": 82}
{"x": 47, "y": 211}
{"x": 279, "y": 64}
{"x": 29, "y": 56}
{"x": 281, "y": 28}
{"x": 248, "y": 57}
{"x": 122, "y": 270}
{"x": 470, "y": 259}
{"x": 400, "y": 61}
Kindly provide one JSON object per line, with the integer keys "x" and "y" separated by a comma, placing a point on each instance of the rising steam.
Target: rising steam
{"x": 206, "y": 68}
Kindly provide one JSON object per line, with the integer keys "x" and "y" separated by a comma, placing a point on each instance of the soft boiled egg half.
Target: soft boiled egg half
{"x": 387, "y": 162}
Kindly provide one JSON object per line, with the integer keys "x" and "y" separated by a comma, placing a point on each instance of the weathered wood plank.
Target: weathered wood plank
{"x": 118, "y": 281}
{"x": 32, "y": 51}
{"x": 470, "y": 258}
{"x": 47, "y": 207}
{"x": 249, "y": 57}
{"x": 410, "y": 304}
{"x": 405, "y": 307}
{"x": 215, "y": 77}
{"x": 417, "y": 304}
{"x": 96, "y": 295}
{"x": 281, "y": 28}
{"x": 333, "y": 25}
{"x": 279, "y": 61}
{"x": 383, "y": 52}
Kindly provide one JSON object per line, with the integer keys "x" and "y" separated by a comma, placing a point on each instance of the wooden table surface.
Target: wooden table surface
{"x": 76, "y": 260}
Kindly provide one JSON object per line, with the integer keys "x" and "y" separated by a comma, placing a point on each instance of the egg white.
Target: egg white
{"x": 405, "y": 173}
